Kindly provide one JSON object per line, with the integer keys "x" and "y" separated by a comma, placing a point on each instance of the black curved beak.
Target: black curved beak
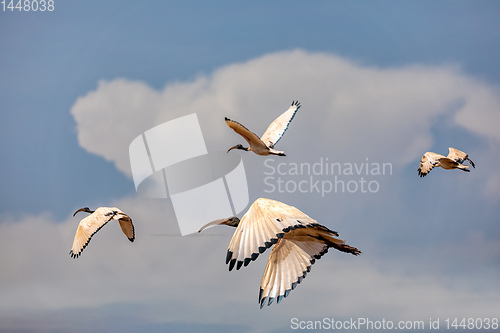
{"x": 85, "y": 209}
{"x": 232, "y": 222}
{"x": 234, "y": 147}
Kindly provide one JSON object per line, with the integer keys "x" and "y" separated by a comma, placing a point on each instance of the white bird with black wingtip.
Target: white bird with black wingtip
{"x": 298, "y": 242}
{"x": 94, "y": 222}
{"x": 265, "y": 144}
{"x": 454, "y": 160}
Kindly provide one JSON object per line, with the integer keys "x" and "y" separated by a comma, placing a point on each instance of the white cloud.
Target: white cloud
{"x": 480, "y": 113}
{"x": 109, "y": 118}
{"x": 185, "y": 279}
{"x": 355, "y": 110}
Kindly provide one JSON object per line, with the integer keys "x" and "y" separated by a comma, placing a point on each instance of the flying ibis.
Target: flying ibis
{"x": 454, "y": 160}
{"x": 94, "y": 222}
{"x": 298, "y": 241}
{"x": 265, "y": 145}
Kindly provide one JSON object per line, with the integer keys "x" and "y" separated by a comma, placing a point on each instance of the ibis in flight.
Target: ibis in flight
{"x": 265, "y": 145}
{"x": 454, "y": 160}
{"x": 94, "y": 222}
{"x": 298, "y": 242}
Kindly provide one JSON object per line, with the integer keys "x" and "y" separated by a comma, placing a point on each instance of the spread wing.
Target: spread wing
{"x": 263, "y": 225}
{"x": 87, "y": 228}
{"x": 428, "y": 162}
{"x": 279, "y": 126}
{"x": 292, "y": 257}
{"x": 288, "y": 264}
{"x": 249, "y": 136}
{"x": 459, "y": 156}
{"x": 126, "y": 225}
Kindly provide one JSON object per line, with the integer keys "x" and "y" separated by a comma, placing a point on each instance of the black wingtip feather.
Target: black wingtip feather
{"x": 247, "y": 261}
{"x": 231, "y": 264}
{"x": 228, "y": 256}
{"x": 262, "y": 301}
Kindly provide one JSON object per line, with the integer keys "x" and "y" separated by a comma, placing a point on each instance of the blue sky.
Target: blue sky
{"x": 383, "y": 80}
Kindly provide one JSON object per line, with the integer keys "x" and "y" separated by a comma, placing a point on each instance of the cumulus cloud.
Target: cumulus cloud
{"x": 348, "y": 109}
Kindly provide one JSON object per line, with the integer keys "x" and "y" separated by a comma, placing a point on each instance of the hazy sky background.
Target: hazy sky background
{"x": 379, "y": 82}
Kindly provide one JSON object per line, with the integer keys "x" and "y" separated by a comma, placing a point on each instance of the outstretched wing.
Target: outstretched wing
{"x": 428, "y": 162}
{"x": 125, "y": 224}
{"x": 459, "y": 156}
{"x": 279, "y": 126}
{"x": 292, "y": 257}
{"x": 249, "y": 136}
{"x": 87, "y": 228}
{"x": 288, "y": 264}
{"x": 263, "y": 225}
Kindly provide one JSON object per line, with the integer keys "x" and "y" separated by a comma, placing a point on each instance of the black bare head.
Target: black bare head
{"x": 238, "y": 147}
{"x": 85, "y": 209}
